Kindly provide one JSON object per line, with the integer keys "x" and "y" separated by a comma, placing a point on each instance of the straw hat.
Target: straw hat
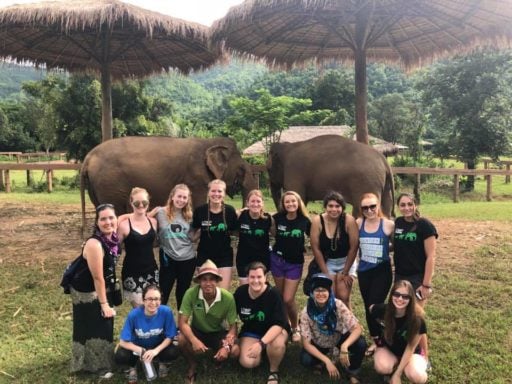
{"x": 208, "y": 267}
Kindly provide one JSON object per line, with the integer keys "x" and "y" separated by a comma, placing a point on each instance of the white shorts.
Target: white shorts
{"x": 337, "y": 265}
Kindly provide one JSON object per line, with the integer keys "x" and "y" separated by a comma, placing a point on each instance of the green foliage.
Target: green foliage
{"x": 264, "y": 118}
{"x": 470, "y": 105}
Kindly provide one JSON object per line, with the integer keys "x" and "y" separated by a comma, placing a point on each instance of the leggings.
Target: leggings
{"x": 171, "y": 271}
{"x": 374, "y": 285}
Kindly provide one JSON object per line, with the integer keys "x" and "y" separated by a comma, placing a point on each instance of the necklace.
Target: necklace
{"x": 334, "y": 239}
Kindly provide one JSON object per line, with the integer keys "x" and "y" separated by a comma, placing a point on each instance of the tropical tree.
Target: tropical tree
{"x": 470, "y": 106}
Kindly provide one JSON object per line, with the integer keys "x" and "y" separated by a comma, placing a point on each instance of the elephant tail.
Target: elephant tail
{"x": 83, "y": 182}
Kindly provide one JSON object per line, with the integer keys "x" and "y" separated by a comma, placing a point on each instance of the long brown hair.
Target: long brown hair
{"x": 413, "y": 314}
{"x": 186, "y": 212}
{"x": 417, "y": 214}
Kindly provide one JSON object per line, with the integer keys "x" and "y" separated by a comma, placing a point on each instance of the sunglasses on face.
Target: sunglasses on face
{"x": 139, "y": 203}
{"x": 403, "y": 205}
{"x": 369, "y": 207}
{"x": 404, "y": 296}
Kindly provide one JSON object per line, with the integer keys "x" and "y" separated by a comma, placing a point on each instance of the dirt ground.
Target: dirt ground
{"x": 39, "y": 233}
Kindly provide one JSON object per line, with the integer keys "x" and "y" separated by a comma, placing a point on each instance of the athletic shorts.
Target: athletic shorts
{"x": 280, "y": 268}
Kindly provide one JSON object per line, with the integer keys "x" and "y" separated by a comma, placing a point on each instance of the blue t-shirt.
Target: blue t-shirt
{"x": 149, "y": 331}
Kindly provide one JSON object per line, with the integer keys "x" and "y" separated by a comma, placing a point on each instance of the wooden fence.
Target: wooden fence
{"x": 5, "y": 168}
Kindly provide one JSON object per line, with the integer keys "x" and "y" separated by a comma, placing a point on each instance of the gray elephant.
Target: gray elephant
{"x": 330, "y": 162}
{"x": 113, "y": 168}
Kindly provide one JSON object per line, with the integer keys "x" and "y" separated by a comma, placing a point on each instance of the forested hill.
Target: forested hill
{"x": 12, "y": 76}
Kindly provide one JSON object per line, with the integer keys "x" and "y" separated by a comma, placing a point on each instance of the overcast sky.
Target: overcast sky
{"x": 201, "y": 11}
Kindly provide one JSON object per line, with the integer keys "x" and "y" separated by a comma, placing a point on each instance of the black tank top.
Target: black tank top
{"x": 334, "y": 249}
{"x": 139, "y": 258}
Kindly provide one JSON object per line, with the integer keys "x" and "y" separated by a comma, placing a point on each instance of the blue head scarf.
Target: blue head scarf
{"x": 324, "y": 317}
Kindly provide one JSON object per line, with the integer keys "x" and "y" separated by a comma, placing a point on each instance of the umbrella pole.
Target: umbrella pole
{"x": 361, "y": 96}
{"x": 106, "y": 103}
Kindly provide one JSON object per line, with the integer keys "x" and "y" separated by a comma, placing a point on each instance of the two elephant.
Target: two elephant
{"x": 310, "y": 168}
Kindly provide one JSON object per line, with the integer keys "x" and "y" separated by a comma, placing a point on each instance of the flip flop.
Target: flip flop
{"x": 273, "y": 378}
{"x": 370, "y": 350}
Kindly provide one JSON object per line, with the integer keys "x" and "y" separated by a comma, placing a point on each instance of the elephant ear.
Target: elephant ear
{"x": 217, "y": 159}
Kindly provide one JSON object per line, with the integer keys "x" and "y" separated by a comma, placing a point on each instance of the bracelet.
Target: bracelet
{"x": 343, "y": 353}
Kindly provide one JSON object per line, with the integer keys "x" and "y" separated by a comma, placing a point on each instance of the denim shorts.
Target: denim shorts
{"x": 337, "y": 265}
{"x": 280, "y": 268}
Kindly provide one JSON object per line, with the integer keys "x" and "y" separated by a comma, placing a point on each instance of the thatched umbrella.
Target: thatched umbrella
{"x": 114, "y": 39}
{"x": 408, "y": 32}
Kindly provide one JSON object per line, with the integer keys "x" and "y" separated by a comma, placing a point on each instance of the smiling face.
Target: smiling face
{"x": 255, "y": 204}
{"x": 333, "y": 209}
{"x": 370, "y": 207}
{"x": 107, "y": 221}
{"x": 321, "y": 296}
{"x": 407, "y": 207}
{"x": 208, "y": 284}
{"x": 290, "y": 204}
{"x": 180, "y": 198}
{"x": 401, "y": 298}
{"x": 140, "y": 202}
{"x": 216, "y": 192}
{"x": 257, "y": 281}
{"x": 152, "y": 300}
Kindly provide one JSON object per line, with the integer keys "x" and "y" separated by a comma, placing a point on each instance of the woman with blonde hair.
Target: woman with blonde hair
{"x": 287, "y": 258}
{"x": 214, "y": 222}
{"x": 374, "y": 269}
{"x": 254, "y": 234}
{"x": 137, "y": 230}
{"x": 177, "y": 254}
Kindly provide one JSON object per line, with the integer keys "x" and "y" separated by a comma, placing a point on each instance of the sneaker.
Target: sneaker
{"x": 163, "y": 370}
{"x": 131, "y": 375}
{"x": 295, "y": 335}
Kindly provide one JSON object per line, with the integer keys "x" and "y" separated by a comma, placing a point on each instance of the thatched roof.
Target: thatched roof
{"x": 400, "y": 31}
{"x": 85, "y": 35}
{"x": 302, "y": 133}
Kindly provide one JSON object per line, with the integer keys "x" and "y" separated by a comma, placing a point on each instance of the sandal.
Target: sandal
{"x": 191, "y": 378}
{"x": 370, "y": 350}
{"x": 273, "y": 377}
{"x": 295, "y": 335}
{"x": 353, "y": 380}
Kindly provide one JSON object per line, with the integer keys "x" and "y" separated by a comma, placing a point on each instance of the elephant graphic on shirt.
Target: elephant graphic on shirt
{"x": 259, "y": 232}
{"x": 296, "y": 233}
{"x": 411, "y": 236}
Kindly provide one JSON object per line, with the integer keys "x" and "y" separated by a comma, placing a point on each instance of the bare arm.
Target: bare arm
{"x": 334, "y": 373}
{"x": 314, "y": 238}
{"x": 389, "y": 229}
{"x": 123, "y": 229}
{"x": 186, "y": 330}
{"x": 93, "y": 252}
{"x": 353, "y": 238}
{"x": 154, "y": 211}
{"x": 430, "y": 253}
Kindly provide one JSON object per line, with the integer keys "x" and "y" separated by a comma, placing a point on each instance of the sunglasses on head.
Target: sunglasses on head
{"x": 404, "y": 296}
{"x": 139, "y": 203}
{"x": 369, "y": 207}
{"x": 101, "y": 207}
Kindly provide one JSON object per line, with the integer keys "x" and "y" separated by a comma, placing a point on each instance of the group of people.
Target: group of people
{"x": 208, "y": 313}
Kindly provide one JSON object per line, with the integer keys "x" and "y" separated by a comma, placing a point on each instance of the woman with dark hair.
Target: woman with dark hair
{"x": 91, "y": 294}
{"x": 254, "y": 234}
{"x": 214, "y": 222}
{"x": 415, "y": 251}
{"x": 330, "y": 332}
{"x": 334, "y": 241}
{"x": 374, "y": 269}
{"x": 137, "y": 231}
{"x": 403, "y": 325}
{"x": 177, "y": 254}
{"x": 287, "y": 258}
{"x": 147, "y": 335}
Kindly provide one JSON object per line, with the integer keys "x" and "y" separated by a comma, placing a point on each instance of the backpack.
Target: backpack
{"x": 70, "y": 272}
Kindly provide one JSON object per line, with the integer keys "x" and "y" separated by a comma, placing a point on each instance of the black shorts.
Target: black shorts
{"x": 415, "y": 280}
{"x": 212, "y": 340}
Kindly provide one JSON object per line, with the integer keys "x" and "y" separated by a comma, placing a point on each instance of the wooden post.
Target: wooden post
{"x": 29, "y": 178}
{"x": 507, "y": 177}
{"x": 49, "y": 177}
{"x": 489, "y": 187}
{"x": 456, "y": 188}
{"x": 2, "y": 182}
{"x": 7, "y": 181}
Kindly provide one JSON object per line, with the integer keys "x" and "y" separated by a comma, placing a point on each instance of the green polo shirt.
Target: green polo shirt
{"x": 222, "y": 310}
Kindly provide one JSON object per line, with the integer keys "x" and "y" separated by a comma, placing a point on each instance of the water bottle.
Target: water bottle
{"x": 149, "y": 370}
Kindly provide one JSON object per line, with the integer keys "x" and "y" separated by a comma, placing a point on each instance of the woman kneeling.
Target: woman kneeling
{"x": 330, "y": 332}
{"x": 403, "y": 325}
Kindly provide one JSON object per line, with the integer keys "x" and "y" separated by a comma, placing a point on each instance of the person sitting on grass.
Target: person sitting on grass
{"x": 330, "y": 332}
{"x": 203, "y": 314}
{"x": 265, "y": 323}
{"x": 147, "y": 335}
{"x": 403, "y": 326}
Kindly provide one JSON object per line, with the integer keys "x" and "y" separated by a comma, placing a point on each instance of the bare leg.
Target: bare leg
{"x": 289, "y": 291}
{"x": 343, "y": 288}
{"x": 276, "y": 350}
{"x": 416, "y": 370}
{"x": 384, "y": 361}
